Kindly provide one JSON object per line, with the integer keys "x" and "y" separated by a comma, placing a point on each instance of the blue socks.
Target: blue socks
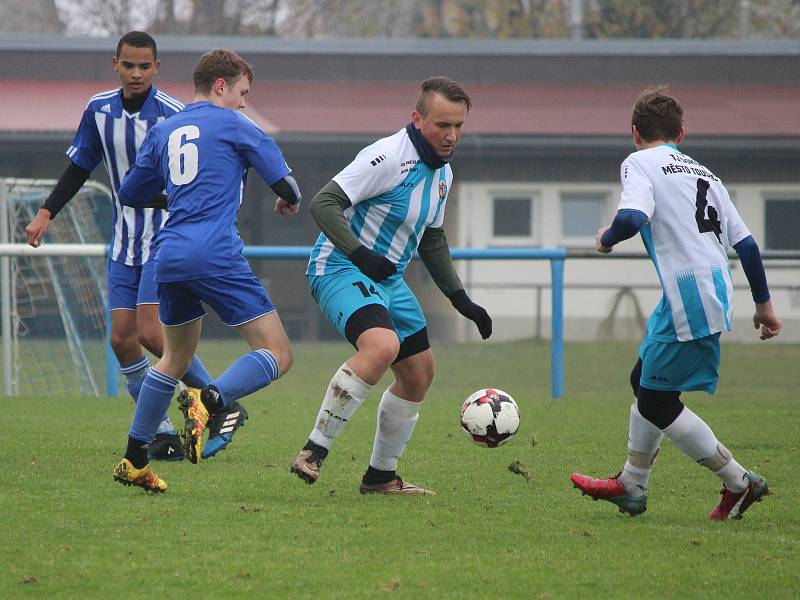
{"x": 154, "y": 398}
{"x": 246, "y": 375}
{"x": 197, "y": 376}
{"x": 135, "y": 374}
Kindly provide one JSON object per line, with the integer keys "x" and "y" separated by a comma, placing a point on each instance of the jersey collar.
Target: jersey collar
{"x": 148, "y": 110}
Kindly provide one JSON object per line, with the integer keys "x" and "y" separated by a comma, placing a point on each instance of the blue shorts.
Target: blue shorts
{"x": 680, "y": 366}
{"x": 130, "y": 286}
{"x": 237, "y": 299}
{"x": 341, "y": 294}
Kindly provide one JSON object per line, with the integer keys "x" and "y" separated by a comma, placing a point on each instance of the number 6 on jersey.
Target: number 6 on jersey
{"x": 183, "y": 157}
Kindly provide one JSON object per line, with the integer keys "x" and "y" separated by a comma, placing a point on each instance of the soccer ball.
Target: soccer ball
{"x": 490, "y": 417}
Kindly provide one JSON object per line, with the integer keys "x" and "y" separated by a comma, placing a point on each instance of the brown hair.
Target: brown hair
{"x": 445, "y": 86}
{"x": 220, "y": 63}
{"x": 657, "y": 115}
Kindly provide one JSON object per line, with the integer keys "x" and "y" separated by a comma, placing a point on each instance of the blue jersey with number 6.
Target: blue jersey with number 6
{"x": 201, "y": 156}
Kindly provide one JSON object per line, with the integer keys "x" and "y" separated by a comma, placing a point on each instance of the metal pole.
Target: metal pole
{"x": 538, "y": 334}
{"x": 112, "y": 365}
{"x": 557, "y": 337}
{"x": 576, "y": 20}
{"x": 5, "y": 284}
{"x": 744, "y": 19}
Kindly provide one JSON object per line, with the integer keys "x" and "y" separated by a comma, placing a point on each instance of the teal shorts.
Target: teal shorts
{"x": 680, "y": 366}
{"x": 341, "y": 294}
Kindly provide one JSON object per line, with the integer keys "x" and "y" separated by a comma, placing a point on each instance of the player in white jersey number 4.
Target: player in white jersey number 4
{"x": 375, "y": 213}
{"x": 686, "y": 221}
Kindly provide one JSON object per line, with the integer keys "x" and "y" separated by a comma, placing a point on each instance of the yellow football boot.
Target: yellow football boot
{"x": 127, "y": 474}
{"x": 195, "y": 418}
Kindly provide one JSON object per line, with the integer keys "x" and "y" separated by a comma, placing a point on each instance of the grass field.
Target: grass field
{"x": 240, "y": 526}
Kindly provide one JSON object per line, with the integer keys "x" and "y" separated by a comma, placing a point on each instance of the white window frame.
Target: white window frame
{"x": 534, "y": 196}
{"x": 582, "y": 241}
{"x": 775, "y": 196}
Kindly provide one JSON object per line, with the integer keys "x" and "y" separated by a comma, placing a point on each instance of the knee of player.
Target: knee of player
{"x": 152, "y": 341}
{"x": 120, "y": 343}
{"x": 285, "y": 360}
{"x": 384, "y": 350}
{"x": 425, "y": 377}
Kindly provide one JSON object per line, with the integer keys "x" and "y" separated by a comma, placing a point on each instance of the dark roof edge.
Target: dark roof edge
{"x": 593, "y": 142}
{"x": 391, "y": 46}
{"x": 508, "y": 142}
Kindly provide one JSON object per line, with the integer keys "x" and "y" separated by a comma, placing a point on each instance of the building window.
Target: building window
{"x": 513, "y": 217}
{"x": 582, "y": 214}
{"x": 782, "y": 223}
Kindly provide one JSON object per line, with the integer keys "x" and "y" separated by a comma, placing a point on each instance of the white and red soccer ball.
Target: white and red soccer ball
{"x": 490, "y": 417}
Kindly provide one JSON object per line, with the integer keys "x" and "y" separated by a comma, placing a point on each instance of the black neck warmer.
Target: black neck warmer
{"x": 424, "y": 148}
{"x": 134, "y": 105}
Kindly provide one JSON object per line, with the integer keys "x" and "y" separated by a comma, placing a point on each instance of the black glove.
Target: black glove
{"x": 372, "y": 264}
{"x": 473, "y": 312}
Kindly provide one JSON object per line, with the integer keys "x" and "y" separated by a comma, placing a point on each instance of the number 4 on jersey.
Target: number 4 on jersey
{"x": 711, "y": 223}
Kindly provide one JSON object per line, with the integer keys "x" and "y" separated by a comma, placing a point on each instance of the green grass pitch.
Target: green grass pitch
{"x": 241, "y": 526}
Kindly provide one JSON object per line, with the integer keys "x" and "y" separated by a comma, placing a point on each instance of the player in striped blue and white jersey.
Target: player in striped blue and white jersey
{"x": 687, "y": 221}
{"x": 385, "y": 205}
{"x": 111, "y": 131}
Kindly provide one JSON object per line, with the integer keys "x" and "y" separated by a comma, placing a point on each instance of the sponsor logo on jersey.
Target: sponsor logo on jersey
{"x": 377, "y": 160}
{"x": 442, "y": 189}
{"x": 106, "y": 108}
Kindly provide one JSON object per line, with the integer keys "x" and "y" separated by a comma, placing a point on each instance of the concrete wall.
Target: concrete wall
{"x": 604, "y": 297}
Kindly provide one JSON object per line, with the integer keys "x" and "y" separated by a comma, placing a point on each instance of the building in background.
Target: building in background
{"x": 538, "y": 164}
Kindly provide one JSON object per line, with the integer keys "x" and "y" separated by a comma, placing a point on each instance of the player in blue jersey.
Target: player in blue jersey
{"x": 201, "y": 156}
{"x": 385, "y": 205}
{"x": 112, "y": 129}
{"x": 687, "y": 221}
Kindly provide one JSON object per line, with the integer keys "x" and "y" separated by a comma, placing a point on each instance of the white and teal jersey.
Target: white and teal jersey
{"x": 394, "y": 197}
{"x": 692, "y": 223}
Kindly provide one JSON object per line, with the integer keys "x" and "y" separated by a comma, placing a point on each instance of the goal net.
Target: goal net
{"x": 55, "y": 307}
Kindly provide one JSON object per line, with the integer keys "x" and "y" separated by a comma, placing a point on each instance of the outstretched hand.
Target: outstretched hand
{"x": 474, "y": 312}
{"x": 37, "y": 228}
{"x": 598, "y": 244}
{"x": 766, "y": 319}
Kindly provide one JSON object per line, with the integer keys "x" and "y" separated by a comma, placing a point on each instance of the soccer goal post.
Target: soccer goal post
{"x": 54, "y": 297}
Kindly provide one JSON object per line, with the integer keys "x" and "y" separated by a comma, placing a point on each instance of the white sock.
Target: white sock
{"x": 644, "y": 439}
{"x": 396, "y": 421}
{"x": 345, "y": 393}
{"x": 691, "y": 434}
